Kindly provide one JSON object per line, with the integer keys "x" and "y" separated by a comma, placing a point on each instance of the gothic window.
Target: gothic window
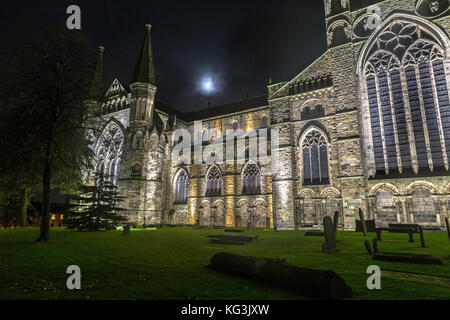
{"x": 315, "y": 158}
{"x": 408, "y": 100}
{"x": 181, "y": 188}
{"x": 214, "y": 182}
{"x": 108, "y": 151}
{"x": 251, "y": 179}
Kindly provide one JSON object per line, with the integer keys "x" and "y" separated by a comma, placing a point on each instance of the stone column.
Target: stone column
{"x": 403, "y": 210}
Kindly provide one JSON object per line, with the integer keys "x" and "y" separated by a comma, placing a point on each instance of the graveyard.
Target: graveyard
{"x": 171, "y": 263}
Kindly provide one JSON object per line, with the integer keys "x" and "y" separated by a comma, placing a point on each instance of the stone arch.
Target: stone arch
{"x": 330, "y": 191}
{"x": 307, "y": 208}
{"x": 423, "y": 207}
{"x": 260, "y": 214}
{"x": 219, "y": 214}
{"x": 205, "y": 217}
{"x": 421, "y": 185}
{"x": 373, "y": 191}
{"x": 306, "y": 192}
{"x": 339, "y": 33}
{"x": 331, "y": 203}
{"x": 242, "y": 214}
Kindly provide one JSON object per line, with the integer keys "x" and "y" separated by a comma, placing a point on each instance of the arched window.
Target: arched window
{"x": 251, "y": 179}
{"x": 108, "y": 151}
{"x": 214, "y": 182}
{"x": 315, "y": 158}
{"x": 408, "y": 106}
{"x": 181, "y": 188}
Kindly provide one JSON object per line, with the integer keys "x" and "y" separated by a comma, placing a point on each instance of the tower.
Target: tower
{"x": 140, "y": 179}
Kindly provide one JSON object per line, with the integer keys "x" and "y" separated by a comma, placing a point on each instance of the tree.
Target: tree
{"x": 43, "y": 115}
{"x": 95, "y": 207}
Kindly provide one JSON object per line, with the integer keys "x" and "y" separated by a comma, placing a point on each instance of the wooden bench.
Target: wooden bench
{"x": 410, "y": 229}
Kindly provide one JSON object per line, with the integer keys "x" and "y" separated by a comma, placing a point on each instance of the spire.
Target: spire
{"x": 144, "y": 70}
{"x": 97, "y": 85}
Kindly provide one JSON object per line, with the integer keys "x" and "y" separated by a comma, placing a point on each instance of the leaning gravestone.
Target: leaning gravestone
{"x": 363, "y": 222}
{"x": 448, "y": 227}
{"x": 330, "y": 236}
{"x": 126, "y": 230}
{"x": 368, "y": 247}
{"x": 278, "y": 273}
{"x": 336, "y": 220}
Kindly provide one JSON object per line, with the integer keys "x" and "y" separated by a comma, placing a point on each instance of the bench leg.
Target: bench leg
{"x": 378, "y": 235}
{"x": 422, "y": 239}
{"x": 411, "y": 237}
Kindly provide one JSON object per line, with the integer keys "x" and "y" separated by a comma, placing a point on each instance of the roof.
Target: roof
{"x": 227, "y": 109}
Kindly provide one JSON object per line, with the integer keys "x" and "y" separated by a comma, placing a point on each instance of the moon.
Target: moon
{"x": 207, "y": 85}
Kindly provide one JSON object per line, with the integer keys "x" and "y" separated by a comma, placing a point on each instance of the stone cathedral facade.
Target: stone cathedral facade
{"x": 366, "y": 126}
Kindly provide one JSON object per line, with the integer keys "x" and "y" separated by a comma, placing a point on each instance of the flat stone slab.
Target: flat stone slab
{"x": 234, "y": 230}
{"x": 220, "y": 241}
{"x": 408, "y": 258}
{"x": 278, "y": 273}
{"x": 246, "y": 238}
{"x": 314, "y": 234}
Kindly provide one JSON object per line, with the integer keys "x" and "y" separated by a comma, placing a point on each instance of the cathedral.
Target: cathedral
{"x": 366, "y": 126}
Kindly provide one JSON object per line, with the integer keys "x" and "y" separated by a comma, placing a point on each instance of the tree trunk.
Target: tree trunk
{"x": 23, "y": 219}
{"x": 46, "y": 188}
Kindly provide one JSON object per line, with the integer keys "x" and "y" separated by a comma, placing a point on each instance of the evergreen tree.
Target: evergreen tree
{"x": 95, "y": 207}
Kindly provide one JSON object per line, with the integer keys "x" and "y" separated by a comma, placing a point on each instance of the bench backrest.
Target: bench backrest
{"x": 404, "y": 226}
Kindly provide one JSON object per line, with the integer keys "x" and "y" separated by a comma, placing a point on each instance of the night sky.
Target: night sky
{"x": 239, "y": 44}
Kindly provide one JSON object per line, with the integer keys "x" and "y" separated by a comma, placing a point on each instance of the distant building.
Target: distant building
{"x": 367, "y": 125}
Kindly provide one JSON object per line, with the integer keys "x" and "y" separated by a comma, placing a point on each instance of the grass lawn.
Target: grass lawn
{"x": 169, "y": 264}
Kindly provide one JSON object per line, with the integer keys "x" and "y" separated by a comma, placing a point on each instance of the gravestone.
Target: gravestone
{"x": 448, "y": 227}
{"x": 330, "y": 236}
{"x": 336, "y": 220}
{"x": 126, "y": 230}
{"x": 368, "y": 247}
{"x": 314, "y": 234}
{"x": 375, "y": 245}
{"x": 363, "y": 222}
